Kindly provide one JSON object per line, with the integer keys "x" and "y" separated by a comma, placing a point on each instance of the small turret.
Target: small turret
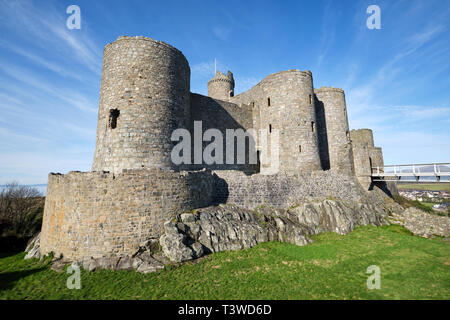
{"x": 221, "y": 86}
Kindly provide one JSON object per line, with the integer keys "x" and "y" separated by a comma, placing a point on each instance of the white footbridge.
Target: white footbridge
{"x": 428, "y": 172}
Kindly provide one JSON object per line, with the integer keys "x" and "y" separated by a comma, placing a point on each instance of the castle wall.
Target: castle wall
{"x": 334, "y": 137}
{"x": 365, "y": 155}
{"x": 221, "y": 115}
{"x": 134, "y": 187}
{"x": 284, "y": 101}
{"x": 96, "y": 213}
{"x": 322, "y": 135}
{"x": 362, "y": 137}
{"x": 284, "y": 190}
{"x": 376, "y": 155}
{"x": 144, "y": 96}
{"x": 362, "y": 165}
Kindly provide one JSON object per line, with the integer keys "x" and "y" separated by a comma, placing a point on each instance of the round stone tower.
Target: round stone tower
{"x": 339, "y": 156}
{"x": 221, "y": 86}
{"x": 287, "y": 105}
{"x": 144, "y": 96}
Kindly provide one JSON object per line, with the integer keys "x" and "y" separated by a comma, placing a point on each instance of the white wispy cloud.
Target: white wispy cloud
{"x": 73, "y": 98}
{"x": 328, "y": 32}
{"x": 221, "y": 32}
{"x": 419, "y": 113}
{"x": 57, "y": 68}
{"x": 203, "y": 69}
{"x": 48, "y": 26}
{"x": 245, "y": 83}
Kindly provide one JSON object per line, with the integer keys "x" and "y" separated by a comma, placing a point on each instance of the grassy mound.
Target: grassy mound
{"x": 334, "y": 267}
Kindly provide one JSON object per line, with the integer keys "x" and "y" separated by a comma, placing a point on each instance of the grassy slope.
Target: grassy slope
{"x": 334, "y": 267}
{"x": 424, "y": 186}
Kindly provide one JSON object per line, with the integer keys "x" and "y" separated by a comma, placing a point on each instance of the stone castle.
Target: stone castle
{"x": 134, "y": 187}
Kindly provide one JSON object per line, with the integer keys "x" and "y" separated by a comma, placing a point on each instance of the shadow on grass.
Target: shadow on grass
{"x": 8, "y": 254}
{"x": 8, "y": 279}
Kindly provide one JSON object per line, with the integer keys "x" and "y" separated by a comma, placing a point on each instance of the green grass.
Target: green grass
{"x": 406, "y": 203}
{"x": 334, "y": 267}
{"x": 424, "y": 186}
{"x": 428, "y": 204}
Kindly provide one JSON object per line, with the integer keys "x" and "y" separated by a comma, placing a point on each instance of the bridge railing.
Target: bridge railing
{"x": 413, "y": 171}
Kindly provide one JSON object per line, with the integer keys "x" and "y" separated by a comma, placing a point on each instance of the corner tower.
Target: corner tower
{"x": 336, "y": 150}
{"x": 366, "y": 155}
{"x": 144, "y": 96}
{"x": 221, "y": 86}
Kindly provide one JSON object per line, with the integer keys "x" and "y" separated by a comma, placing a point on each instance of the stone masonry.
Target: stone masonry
{"x": 365, "y": 155}
{"x": 134, "y": 188}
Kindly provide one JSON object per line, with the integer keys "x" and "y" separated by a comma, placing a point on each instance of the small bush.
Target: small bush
{"x": 412, "y": 203}
{"x": 21, "y": 209}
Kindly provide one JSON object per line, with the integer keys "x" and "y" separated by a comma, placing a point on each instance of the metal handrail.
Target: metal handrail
{"x": 418, "y": 164}
{"x": 398, "y": 173}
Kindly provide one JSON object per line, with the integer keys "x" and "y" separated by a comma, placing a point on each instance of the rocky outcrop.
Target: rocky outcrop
{"x": 421, "y": 223}
{"x": 228, "y": 227}
{"x": 33, "y": 247}
{"x": 143, "y": 261}
{"x": 338, "y": 216}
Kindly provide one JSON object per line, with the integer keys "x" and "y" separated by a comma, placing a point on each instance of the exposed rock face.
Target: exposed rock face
{"x": 144, "y": 262}
{"x": 422, "y": 224}
{"x": 338, "y": 216}
{"x": 228, "y": 227}
{"x": 33, "y": 247}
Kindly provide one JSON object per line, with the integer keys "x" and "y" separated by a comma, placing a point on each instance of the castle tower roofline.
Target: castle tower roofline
{"x": 220, "y": 76}
{"x": 221, "y": 86}
{"x": 305, "y": 73}
{"x": 328, "y": 89}
{"x": 131, "y": 38}
{"x": 362, "y": 129}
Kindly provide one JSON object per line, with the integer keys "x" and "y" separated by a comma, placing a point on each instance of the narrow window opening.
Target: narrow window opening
{"x": 348, "y": 136}
{"x": 258, "y": 161}
{"x": 113, "y": 116}
{"x": 300, "y": 149}
{"x": 313, "y": 126}
{"x": 268, "y": 102}
{"x": 270, "y": 128}
{"x": 310, "y": 99}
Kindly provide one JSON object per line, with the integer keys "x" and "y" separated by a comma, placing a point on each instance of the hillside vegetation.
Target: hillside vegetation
{"x": 334, "y": 267}
{"x": 424, "y": 186}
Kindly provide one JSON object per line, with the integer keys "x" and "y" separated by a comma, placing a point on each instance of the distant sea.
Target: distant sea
{"x": 42, "y": 188}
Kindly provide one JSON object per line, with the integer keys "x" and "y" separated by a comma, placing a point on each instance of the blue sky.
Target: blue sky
{"x": 397, "y": 79}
